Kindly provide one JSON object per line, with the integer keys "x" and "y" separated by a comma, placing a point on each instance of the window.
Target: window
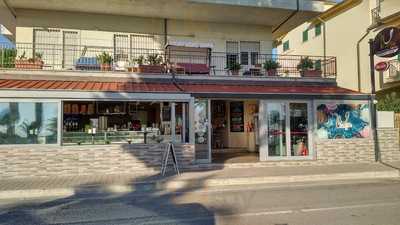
{"x": 28, "y": 122}
{"x": 288, "y": 129}
{"x": 305, "y": 35}
{"x": 244, "y": 58}
{"x": 285, "y": 46}
{"x": 232, "y": 56}
{"x": 317, "y": 29}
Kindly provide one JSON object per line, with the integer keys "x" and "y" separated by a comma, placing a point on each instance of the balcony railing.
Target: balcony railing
{"x": 27, "y": 56}
{"x": 393, "y": 73}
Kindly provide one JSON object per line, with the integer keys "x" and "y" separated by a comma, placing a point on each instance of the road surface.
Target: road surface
{"x": 368, "y": 202}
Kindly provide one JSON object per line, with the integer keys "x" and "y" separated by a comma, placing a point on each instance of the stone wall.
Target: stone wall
{"x": 52, "y": 160}
{"x": 339, "y": 151}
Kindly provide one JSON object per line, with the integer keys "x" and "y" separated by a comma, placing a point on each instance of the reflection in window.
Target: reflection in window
{"x": 276, "y": 129}
{"x": 298, "y": 129}
{"x": 28, "y": 123}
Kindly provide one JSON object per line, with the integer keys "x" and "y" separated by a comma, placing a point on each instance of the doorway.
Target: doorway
{"x": 234, "y": 133}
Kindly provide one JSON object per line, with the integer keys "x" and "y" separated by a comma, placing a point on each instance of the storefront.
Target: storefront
{"x": 103, "y": 131}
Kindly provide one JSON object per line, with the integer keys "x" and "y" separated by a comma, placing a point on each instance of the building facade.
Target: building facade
{"x": 100, "y": 89}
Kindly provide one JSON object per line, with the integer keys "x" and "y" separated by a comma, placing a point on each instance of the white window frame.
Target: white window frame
{"x": 310, "y": 125}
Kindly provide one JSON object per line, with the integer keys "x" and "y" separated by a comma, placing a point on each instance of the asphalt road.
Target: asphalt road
{"x": 341, "y": 203}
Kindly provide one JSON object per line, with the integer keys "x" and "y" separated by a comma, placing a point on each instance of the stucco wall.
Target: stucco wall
{"x": 97, "y": 29}
{"x": 45, "y": 161}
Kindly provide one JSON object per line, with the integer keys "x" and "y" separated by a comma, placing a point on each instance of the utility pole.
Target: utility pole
{"x": 372, "y": 99}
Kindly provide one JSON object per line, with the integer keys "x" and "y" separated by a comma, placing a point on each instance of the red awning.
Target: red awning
{"x": 153, "y": 87}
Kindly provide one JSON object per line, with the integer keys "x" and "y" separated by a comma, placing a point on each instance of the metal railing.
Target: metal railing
{"x": 393, "y": 73}
{"x": 375, "y": 15}
{"x": 28, "y": 56}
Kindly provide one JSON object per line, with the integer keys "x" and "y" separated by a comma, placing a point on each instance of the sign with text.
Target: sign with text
{"x": 237, "y": 116}
{"x": 387, "y": 42}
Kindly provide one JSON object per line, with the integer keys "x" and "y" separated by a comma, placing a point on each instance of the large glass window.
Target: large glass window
{"x": 107, "y": 122}
{"x": 28, "y": 122}
{"x": 288, "y": 129}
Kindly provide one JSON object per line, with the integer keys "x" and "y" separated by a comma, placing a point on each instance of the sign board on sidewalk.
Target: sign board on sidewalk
{"x": 169, "y": 150}
{"x": 387, "y": 42}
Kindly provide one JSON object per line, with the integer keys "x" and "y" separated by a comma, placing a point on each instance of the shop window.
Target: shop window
{"x": 107, "y": 122}
{"x": 318, "y": 29}
{"x": 285, "y": 46}
{"x": 28, "y": 122}
{"x": 298, "y": 129}
{"x": 305, "y": 35}
{"x": 338, "y": 121}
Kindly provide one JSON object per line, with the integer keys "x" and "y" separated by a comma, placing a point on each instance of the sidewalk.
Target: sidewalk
{"x": 187, "y": 181}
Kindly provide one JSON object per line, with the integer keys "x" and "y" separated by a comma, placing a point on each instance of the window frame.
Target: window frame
{"x": 318, "y": 29}
{"x": 286, "y": 46}
{"x": 305, "y": 35}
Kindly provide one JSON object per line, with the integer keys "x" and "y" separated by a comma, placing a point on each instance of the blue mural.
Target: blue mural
{"x": 343, "y": 121}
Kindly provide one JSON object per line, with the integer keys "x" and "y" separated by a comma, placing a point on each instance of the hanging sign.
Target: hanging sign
{"x": 387, "y": 42}
{"x": 382, "y": 66}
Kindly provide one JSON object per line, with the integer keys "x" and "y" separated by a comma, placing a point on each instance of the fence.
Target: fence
{"x": 142, "y": 60}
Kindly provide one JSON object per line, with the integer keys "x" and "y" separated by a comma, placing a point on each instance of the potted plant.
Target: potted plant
{"x": 234, "y": 68}
{"x": 105, "y": 60}
{"x": 7, "y": 57}
{"x": 307, "y": 68}
{"x": 271, "y": 67}
{"x": 135, "y": 63}
{"x": 22, "y": 62}
{"x": 151, "y": 64}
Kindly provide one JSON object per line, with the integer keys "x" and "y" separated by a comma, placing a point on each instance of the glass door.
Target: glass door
{"x": 284, "y": 130}
{"x": 276, "y": 117}
{"x": 202, "y": 130}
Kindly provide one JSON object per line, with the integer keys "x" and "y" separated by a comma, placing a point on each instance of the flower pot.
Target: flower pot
{"x": 151, "y": 69}
{"x": 235, "y": 72}
{"x": 311, "y": 73}
{"x": 272, "y": 73}
{"x": 29, "y": 64}
{"x": 105, "y": 67}
{"x": 133, "y": 69}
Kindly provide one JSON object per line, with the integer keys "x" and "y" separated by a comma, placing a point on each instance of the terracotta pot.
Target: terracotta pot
{"x": 28, "y": 64}
{"x": 235, "y": 72}
{"x": 151, "y": 69}
{"x": 133, "y": 69}
{"x": 311, "y": 73}
{"x": 272, "y": 73}
{"x": 105, "y": 67}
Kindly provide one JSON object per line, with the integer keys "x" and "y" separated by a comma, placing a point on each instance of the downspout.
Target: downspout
{"x": 289, "y": 17}
{"x": 324, "y": 42}
{"x": 358, "y": 58}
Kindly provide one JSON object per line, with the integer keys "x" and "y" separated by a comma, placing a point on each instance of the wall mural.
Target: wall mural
{"x": 336, "y": 121}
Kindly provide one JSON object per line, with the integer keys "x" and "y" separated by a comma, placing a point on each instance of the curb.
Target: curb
{"x": 181, "y": 185}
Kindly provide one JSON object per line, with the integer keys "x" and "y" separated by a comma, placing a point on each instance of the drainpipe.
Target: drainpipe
{"x": 289, "y": 17}
{"x": 358, "y": 58}
{"x": 324, "y": 41}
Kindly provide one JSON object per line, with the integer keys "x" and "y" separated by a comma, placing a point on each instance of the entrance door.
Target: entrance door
{"x": 284, "y": 130}
{"x": 202, "y": 130}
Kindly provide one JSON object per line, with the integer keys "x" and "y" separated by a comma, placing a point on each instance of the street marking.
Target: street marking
{"x": 351, "y": 207}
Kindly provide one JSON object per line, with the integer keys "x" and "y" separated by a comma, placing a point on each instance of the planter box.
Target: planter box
{"x": 133, "y": 69}
{"x": 150, "y": 69}
{"x": 311, "y": 73}
{"x": 235, "y": 72}
{"x": 28, "y": 64}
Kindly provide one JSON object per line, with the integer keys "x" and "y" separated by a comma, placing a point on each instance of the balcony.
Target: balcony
{"x": 164, "y": 63}
{"x": 393, "y": 73}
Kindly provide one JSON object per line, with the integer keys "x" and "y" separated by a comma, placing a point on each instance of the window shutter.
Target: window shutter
{"x": 305, "y": 35}
{"x": 317, "y": 29}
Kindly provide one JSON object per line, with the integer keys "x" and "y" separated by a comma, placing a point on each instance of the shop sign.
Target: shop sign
{"x": 382, "y": 66}
{"x": 387, "y": 42}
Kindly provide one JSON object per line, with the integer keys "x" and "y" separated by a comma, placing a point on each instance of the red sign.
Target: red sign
{"x": 382, "y": 66}
{"x": 387, "y": 42}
